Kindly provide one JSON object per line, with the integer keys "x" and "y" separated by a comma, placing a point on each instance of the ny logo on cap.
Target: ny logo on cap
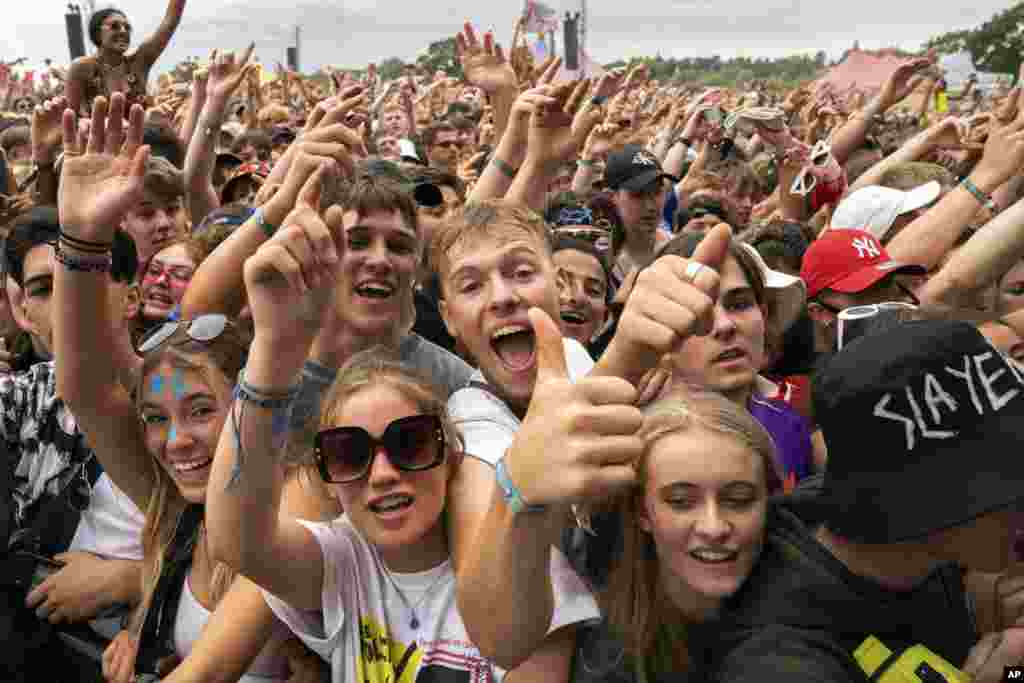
{"x": 866, "y": 247}
{"x": 645, "y": 158}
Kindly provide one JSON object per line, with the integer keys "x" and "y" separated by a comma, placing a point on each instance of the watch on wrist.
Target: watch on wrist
{"x": 513, "y": 498}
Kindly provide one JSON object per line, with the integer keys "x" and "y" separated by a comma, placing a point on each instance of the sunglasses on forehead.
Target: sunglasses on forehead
{"x": 345, "y": 454}
{"x": 203, "y": 329}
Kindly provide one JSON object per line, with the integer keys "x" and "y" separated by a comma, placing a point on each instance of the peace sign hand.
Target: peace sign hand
{"x": 101, "y": 176}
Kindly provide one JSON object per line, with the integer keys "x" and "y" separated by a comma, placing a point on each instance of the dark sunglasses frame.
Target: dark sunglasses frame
{"x": 359, "y": 438}
{"x": 203, "y": 329}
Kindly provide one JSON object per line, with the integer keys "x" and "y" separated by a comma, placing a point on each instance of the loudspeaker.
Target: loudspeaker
{"x": 292, "y": 55}
{"x": 572, "y": 41}
{"x": 76, "y": 36}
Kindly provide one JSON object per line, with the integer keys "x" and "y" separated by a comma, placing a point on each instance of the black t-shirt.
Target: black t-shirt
{"x": 429, "y": 323}
{"x": 802, "y": 613}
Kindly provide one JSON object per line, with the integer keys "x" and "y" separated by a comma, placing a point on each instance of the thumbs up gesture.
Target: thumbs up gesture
{"x": 673, "y": 299}
{"x": 577, "y": 441}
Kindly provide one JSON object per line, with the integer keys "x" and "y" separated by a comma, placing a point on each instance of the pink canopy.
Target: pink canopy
{"x": 861, "y": 70}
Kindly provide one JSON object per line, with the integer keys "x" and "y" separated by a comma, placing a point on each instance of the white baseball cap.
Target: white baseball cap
{"x": 875, "y": 208}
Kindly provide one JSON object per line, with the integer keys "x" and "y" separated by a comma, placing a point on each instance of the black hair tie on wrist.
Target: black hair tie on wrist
{"x": 85, "y": 245}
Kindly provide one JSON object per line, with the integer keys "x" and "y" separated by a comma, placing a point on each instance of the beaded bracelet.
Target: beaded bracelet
{"x": 984, "y": 199}
{"x": 504, "y": 167}
{"x": 83, "y": 264}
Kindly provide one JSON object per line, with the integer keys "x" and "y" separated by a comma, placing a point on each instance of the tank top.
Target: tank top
{"x": 188, "y": 627}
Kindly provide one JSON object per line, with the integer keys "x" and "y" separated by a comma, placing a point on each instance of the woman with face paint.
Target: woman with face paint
{"x": 113, "y": 69}
{"x": 156, "y": 440}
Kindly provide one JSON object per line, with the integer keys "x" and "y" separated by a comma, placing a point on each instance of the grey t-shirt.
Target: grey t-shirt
{"x": 448, "y": 371}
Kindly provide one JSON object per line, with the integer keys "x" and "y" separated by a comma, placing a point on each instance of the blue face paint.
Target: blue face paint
{"x": 179, "y": 384}
{"x": 171, "y": 434}
{"x": 157, "y": 384}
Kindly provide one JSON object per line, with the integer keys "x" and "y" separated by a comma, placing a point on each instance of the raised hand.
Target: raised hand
{"x": 545, "y": 74}
{"x": 47, "y": 129}
{"x": 200, "y": 77}
{"x": 556, "y": 133}
{"x": 577, "y": 441}
{"x": 324, "y": 138}
{"x": 672, "y": 300}
{"x": 226, "y": 74}
{"x": 902, "y": 82}
{"x": 609, "y": 84}
{"x": 637, "y": 76}
{"x": 1003, "y": 155}
{"x": 101, "y": 177}
{"x": 484, "y": 66}
{"x": 291, "y": 278}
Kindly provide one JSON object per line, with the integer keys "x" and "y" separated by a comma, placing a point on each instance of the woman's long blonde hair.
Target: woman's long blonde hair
{"x": 634, "y": 601}
{"x": 219, "y": 362}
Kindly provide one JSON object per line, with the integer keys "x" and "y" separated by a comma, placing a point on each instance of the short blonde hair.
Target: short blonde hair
{"x": 491, "y": 219}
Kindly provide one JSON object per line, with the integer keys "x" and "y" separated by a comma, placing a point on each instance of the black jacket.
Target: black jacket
{"x": 802, "y": 613}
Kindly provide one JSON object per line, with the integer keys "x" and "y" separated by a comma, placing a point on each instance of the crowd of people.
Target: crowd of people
{"x": 507, "y": 377}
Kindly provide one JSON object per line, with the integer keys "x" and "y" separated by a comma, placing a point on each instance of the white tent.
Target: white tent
{"x": 960, "y": 66}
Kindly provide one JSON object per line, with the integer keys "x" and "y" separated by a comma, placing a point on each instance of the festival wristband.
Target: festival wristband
{"x": 513, "y": 498}
{"x": 504, "y": 167}
{"x": 986, "y": 200}
{"x": 261, "y": 221}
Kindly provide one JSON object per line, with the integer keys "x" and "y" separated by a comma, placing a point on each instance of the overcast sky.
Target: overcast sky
{"x": 354, "y": 32}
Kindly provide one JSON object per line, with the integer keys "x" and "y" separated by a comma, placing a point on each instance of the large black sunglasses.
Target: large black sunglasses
{"x": 204, "y": 329}
{"x": 345, "y": 454}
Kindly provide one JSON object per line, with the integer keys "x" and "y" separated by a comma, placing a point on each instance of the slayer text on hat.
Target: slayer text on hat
{"x": 924, "y": 424}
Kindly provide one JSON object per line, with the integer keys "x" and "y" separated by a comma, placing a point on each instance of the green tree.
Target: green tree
{"x": 391, "y": 68}
{"x": 997, "y": 45}
{"x": 440, "y": 55}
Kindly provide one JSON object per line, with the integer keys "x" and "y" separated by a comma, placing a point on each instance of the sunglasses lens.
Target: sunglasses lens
{"x": 207, "y": 327}
{"x": 344, "y": 453}
{"x": 412, "y": 442}
{"x": 158, "y": 337}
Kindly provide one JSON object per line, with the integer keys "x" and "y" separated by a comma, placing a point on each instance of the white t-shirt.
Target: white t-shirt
{"x": 363, "y": 629}
{"x": 111, "y": 526}
{"x": 486, "y": 423}
{"x": 190, "y": 621}
{"x": 488, "y": 427}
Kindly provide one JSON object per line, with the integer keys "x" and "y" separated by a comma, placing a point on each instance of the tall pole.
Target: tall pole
{"x": 583, "y": 28}
{"x": 90, "y": 8}
{"x": 298, "y": 51}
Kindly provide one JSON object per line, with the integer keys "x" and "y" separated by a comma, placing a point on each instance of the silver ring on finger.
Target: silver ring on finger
{"x": 693, "y": 270}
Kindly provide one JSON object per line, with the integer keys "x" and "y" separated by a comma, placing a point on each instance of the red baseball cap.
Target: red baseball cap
{"x": 848, "y": 261}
